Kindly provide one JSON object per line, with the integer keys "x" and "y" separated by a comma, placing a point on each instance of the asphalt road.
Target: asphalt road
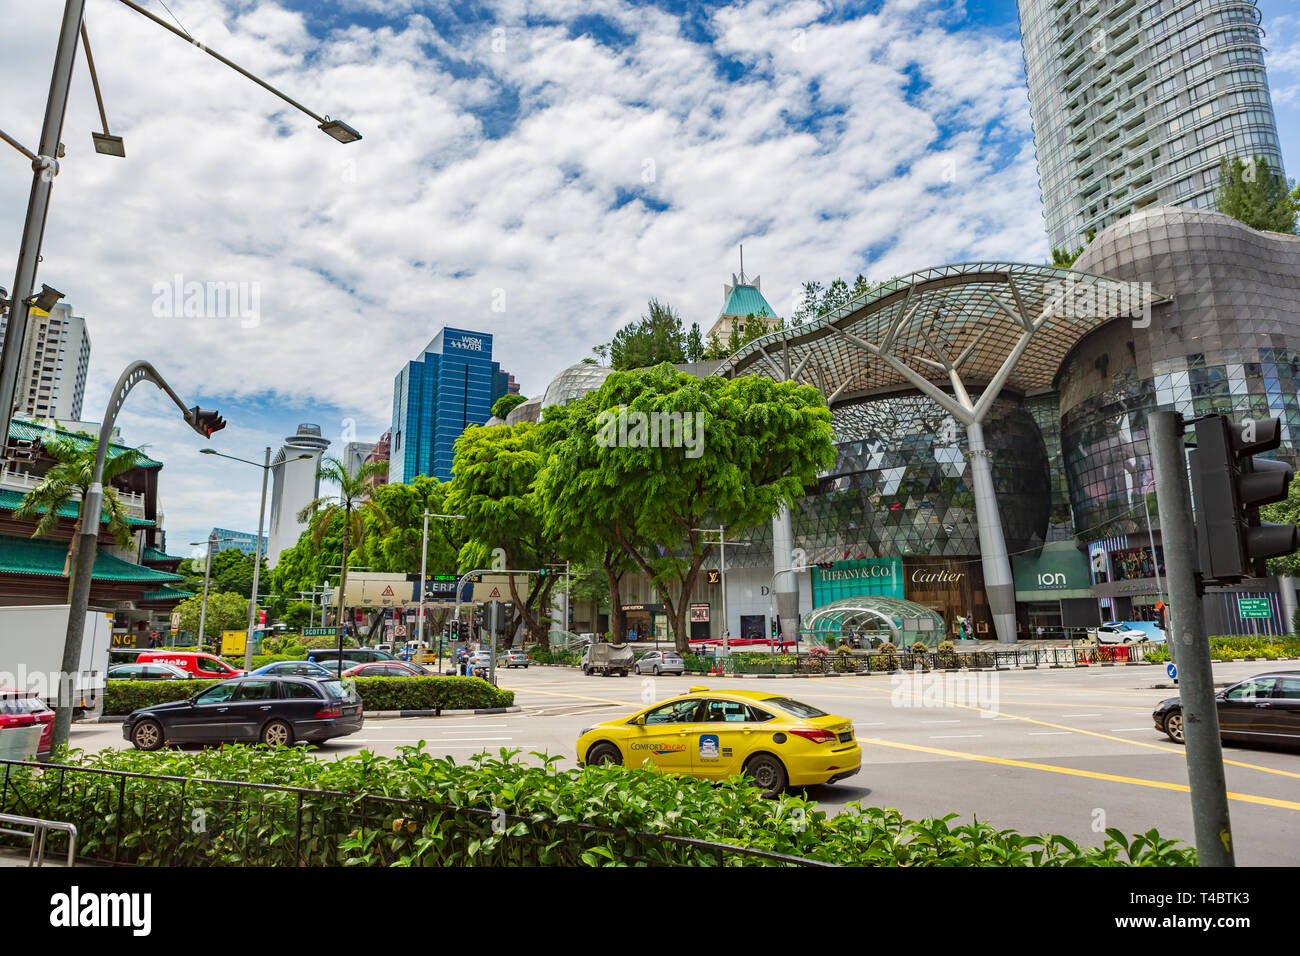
{"x": 1064, "y": 751}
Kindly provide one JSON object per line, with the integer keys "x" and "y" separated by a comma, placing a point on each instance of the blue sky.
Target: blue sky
{"x": 538, "y": 171}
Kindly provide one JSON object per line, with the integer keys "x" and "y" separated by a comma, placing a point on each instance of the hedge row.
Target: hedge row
{"x": 343, "y": 824}
{"x": 377, "y": 693}
{"x": 1228, "y": 647}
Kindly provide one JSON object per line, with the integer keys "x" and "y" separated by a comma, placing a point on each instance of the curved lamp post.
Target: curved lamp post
{"x": 204, "y": 422}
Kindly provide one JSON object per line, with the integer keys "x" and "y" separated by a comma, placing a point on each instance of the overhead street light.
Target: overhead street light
{"x": 45, "y": 167}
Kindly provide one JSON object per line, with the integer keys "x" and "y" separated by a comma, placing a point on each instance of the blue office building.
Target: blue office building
{"x": 245, "y": 541}
{"x": 451, "y": 385}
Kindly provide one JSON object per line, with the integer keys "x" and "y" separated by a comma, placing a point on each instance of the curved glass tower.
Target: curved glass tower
{"x": 1135, "y": 103}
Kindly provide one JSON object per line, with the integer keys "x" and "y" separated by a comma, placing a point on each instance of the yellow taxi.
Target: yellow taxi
{"x": 776, "y": 741}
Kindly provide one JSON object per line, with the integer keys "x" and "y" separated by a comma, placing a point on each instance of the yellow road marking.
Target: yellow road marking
{"x": 1075, "y": 772}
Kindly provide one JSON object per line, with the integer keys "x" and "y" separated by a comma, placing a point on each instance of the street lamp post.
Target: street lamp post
{"x": 45, "y": 166}
{"x": 257, "y": 552}
{"x": 203, "y": 606}
{"x": 202, "y": 421}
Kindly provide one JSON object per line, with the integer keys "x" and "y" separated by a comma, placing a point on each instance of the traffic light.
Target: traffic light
{"x": 205, "y": 421}
{"x": 543, "y": 572}
{"x": 1229, "y": 484}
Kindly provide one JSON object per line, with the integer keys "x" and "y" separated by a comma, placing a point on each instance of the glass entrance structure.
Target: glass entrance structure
{"x": 873, "y": 615}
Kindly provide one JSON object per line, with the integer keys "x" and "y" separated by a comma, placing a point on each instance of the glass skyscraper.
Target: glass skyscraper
{"x": 451, "y": 385}
{"x": 1134, "y": 104}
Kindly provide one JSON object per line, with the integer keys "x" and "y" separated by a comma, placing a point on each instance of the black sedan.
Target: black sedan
{"x": 269, "y": 709}
{"x": 1261, "y": 709}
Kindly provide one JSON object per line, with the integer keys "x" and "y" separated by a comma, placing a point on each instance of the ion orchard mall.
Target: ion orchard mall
{"x": 991, "y": 420}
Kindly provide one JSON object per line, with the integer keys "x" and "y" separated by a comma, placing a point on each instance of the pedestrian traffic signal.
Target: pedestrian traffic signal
{"x": 1229, "y": 484}
{"x": 205, "y": 421}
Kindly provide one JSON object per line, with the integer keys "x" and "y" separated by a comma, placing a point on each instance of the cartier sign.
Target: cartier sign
{"x": 927, "y": 576}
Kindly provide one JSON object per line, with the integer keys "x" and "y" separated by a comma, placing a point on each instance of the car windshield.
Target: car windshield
{"x": 795, "y": 707}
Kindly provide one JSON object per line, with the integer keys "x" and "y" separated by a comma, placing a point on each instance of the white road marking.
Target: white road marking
{"x": 953, "y": 736}
{"x": 941, "y": 721}
{"x": 1081, "y": 715}
{"x": 1049, "y": 733}
{"x": 1116, "y": 730}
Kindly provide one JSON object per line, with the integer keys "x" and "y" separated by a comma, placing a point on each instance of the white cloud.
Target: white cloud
{"x": 817, "y": 155}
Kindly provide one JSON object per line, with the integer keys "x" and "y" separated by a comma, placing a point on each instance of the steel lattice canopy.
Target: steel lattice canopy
{"x": 968, "y": 314}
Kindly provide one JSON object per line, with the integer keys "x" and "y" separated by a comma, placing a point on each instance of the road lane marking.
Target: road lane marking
{"x": 1081, "y": 715}
{"x": 1049, "y": 733}
{"x": 1075, "y": 772}
{"x": 603, "y": 700}
{"x": 941, "y": 721}
{"x": 1093, "y": 733}
{"x": 953, "y": 736}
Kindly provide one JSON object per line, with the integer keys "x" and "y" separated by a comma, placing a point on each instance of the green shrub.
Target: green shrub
{"x": 947, "y": 647}
{"x": 920, "y": 647}
{"x": 341, "y": 827}
{"x": 377, "y": 693}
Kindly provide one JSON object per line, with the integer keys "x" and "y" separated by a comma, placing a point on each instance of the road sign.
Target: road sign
{"x": 318, "y": 632}
{"x": 1171, "y": 670}
{"x": 400, "y": 630}
{"x": 1254, "y": 607}
{"x": 176, "y": 621}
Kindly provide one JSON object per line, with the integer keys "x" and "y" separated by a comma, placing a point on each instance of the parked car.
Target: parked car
{"x": 1125, "y": 632}
{"x": 515, "y": 657}
{"x": 1261, "y": 709}
{"x": 22, "y": 708}
{"x": 202, "y": 666}
{"x": 660, "y": 662}
{"x": 273, "y": 710}
{"x": 157, "y": 671}
{"x": 295, "y": 669}
{"x": 384, "y": 669}
{"x": 327, "y": 656}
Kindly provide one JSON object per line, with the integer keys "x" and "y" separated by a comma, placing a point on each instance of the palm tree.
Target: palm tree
{"x": 68, "y": 481}
{"x": 352, "y": 501}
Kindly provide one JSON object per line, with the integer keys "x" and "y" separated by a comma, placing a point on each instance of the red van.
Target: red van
{"x": 200, "y": 666}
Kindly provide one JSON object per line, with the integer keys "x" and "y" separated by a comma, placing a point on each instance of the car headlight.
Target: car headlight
{"x": 585, "y": 730}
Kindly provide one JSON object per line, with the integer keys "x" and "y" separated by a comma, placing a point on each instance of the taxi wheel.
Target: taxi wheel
{"x": 603, "y": 753}
{"x": 768, "y": 774}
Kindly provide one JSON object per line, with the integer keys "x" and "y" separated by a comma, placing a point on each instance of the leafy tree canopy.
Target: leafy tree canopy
{"x": 656, "y": 337}
{"x": 1256, "y": 194}
{"x": 504, "y": 405}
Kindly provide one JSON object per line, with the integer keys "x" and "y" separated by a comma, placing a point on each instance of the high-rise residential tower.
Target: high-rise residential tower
{"x": 294, "y": 486}
{"x": 55, "y": 358}
{"x": 1135, "y": 103}
{"x": 451, "y": 385}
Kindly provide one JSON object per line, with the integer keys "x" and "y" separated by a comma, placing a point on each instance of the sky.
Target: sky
{"x": 537, "y": 171}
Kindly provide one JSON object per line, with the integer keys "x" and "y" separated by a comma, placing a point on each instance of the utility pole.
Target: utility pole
{"x": 1200, "y": 714}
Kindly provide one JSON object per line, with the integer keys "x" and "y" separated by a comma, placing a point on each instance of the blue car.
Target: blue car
{"x": 294, "y": 669}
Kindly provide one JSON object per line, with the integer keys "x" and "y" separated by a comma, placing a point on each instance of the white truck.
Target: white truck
{"x": 31, "y": 655}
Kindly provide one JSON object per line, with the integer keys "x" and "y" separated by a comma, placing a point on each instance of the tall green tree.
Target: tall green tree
{"x": 694, "y": 343}
{"x": 1256, "y": 194}
{"x": 818, "y": 300}
{"x": 656, "y": 337}
{"x": 504, "y": 405}
{"x": 352, "y": 502}
{"x": 66, "y": 484}
{"x": 753, "y": 444}
{"x": 493, "y": 475}
{"x": 226, "y": 612}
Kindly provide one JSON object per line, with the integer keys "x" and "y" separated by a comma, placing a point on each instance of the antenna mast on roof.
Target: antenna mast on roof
{"x": 742, "y": 263}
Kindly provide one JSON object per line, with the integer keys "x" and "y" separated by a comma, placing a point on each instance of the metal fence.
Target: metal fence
{"x": 129, "y": 818}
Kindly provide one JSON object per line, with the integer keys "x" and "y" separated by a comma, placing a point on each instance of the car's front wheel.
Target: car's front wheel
{"x": 277, "y": 733}
{"x": 603, "y": 753}
{"x": 768, "y": 774}
{"x": 1174, "y": 726}
{"x": 147, "y": 735}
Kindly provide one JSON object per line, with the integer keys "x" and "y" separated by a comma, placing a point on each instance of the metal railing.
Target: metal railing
{"x": 144, "y": 819}
{"x": 39, "y": 828}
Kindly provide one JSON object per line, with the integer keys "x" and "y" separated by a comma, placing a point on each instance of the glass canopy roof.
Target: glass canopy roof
{"x": 978, "y": 311}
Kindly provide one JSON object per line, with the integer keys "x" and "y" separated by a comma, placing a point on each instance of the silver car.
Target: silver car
{"x": 513, "y": 658}
{"x": 660, "y": 662}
